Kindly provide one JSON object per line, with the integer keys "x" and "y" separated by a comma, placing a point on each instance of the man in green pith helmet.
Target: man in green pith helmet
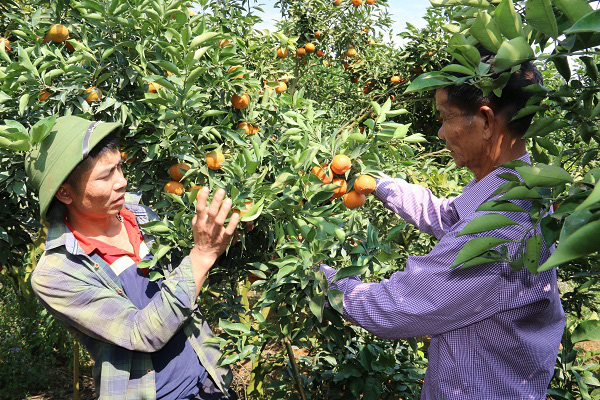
{"x": 148, "y": 338}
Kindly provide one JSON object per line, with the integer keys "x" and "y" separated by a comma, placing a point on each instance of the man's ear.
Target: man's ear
{"x": 63, "y": 194}
{"x": 490, "y": 121}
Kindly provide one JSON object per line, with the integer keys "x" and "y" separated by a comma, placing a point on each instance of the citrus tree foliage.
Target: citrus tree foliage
{"x": 189, "y": 81}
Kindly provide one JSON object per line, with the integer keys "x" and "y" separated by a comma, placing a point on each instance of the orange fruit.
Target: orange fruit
{"x": 125, "y": 154}
{"x": 371, "y": 2}
{"x": 255, "y": 130}
{"x": 301, "y": 51}
{"x": 337, "y": 3}
{"x": 93, "y": 94}
{"x": 233, "y": 69}
{"x": 282, "y": 52}
{"x": 366, "y": 30}
{"x": 57, "y": 33}
{"x": 365, "y": 184}
{"x": 174, "y": 188}
{"x": 341, "y": 164}
{"x": 282, "y": 87}
{"x": 175, "y": 171}
{"x": 351, "y": 52}
{"x": 153, "y": 87}
{"x": 341, "y": 190}
{"x": 44, "y": 94}
{"x": 223, "y": 43}
{"x": 246, "y": 127}
{"x": 357, "y": 2}
{"x": 249, "y": 204}
{"x": 240, "y": 102}
{"x": 395, "y": 79}
{"x": 6, "y": 43}
{"x": 354, "y": 79}
{"x": 367, "y": 88}
{"x": 309, "y": 47}
{"x": 354, "y": 200}
{"x": 317, "y": 34}
{"x": 321, "y": 174}
{"x": 214, "y": 160}
{"x": 320, "y": 53}
{"x": 195, "y": 187}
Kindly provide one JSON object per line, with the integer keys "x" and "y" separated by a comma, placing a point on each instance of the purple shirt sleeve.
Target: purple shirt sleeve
{"x": 417, "y": 205}
{"x": 427, "y": 298}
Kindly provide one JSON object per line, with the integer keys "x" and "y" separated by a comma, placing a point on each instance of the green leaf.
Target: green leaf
{"x": 458, "y": 69}
{"x": 429, "y": 81}
{"x": 521, "y": 193}
{"x": 233, "y": 328}
{"x": 589, "y": 23}
{"x": 579, "y": 244}
{"x": 25, "y": 61}
{"x": 561, "y": 63}
{"x": 199, "y": 40}
{"x": 42, "y": 129}
{"x": 573, "y": 9}
{"x": 486, "y": 222}
{"x": 336, "y": 300}
{"x": 532, "y": 254}
{"x": 316, "y": 304}
{"x": 542, "y": 175}
{"x": 486, "y": 31}
{"x": 508, "y": 20}
{"x": 514, "y": 52}
{"x": 353, "y": 270}
{"x": 23, "y": 101}
{"x": 592, "y": 199}
{"x": 495, "y": 205}
{"x": 156, "y": 228}
{"x": 476, "y": 247}
{"x": 543, "y": 126}
{"x": 586, "y": 330}
{"x": 540, "y": 15}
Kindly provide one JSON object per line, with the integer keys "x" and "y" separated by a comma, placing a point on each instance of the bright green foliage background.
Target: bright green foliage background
{"x": 276, "y": 332}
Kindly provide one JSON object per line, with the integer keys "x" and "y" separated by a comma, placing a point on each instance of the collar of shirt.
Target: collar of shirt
{"x": 89, "y": 245}
{"x": 59, "y": 233}
{"x": 478, "y": 192}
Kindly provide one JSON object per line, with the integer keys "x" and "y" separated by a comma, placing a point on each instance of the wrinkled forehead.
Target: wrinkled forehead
{"x": 441, "y": 99}
{"x": 105, "y": 161}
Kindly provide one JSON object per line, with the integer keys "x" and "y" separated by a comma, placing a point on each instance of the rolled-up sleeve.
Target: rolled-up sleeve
{"x": 417, "y": 205}
{"x": 427, "y": 298}
{"x": 84, "y": 301}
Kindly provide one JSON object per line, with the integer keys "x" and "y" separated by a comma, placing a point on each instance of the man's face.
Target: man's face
{"x": 462, "y": 133}
{"x": 101, "y": 189}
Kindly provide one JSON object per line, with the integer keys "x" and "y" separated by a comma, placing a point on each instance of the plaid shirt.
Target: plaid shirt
{"x": 85, "y": 294}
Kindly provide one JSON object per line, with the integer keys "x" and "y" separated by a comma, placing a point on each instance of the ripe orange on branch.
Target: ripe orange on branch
{"x": 6, "y": 43}
{"x": 282, "y": 52}
{"x": 310, "y": 47}
{"x": 371, "y": 2}
{"x": 93, "y": 94}
{"x": 174, "y": 188}
{"x": 321, "y": 174}
{"x": 44, "y": 94}
{"x": 357, "y": 2}
{"x": 365, "y": 184}
{"x": 341, "y": 190}
{"x": 214, "y": 160}
{"x": 153, "y": 87}
{"x": 233, "y": 68}
{"x": 341, "y": 164}
{"x": 282, "y": 87}
{"x": 57, "y": 33}
{"x": 175, "y": 171}
{"x": 337, "y": 3}
{"x": 317, "y": 34}
{"x": 354, "y": 200}
{"x": 301, "y": 51}
{"x": 240, "y": 102}
{"x": 351, "y": 52}
{"x": 320, "y": 53}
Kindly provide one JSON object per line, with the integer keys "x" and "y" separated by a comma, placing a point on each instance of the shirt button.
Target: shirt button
{"x": 96, "y": 265}
{"x": 150, "y": 371}
{"x": 120, "y": 291}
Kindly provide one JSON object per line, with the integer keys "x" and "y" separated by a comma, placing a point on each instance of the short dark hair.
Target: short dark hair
{"x": 470, "y": 98}
{"x": 109, "y": 143}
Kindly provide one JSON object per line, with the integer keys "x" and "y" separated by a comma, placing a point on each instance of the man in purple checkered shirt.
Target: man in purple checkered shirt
{"x": 495, "y": 333}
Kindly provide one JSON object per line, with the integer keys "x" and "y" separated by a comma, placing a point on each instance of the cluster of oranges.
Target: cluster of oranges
{"x": 363, "y": 185}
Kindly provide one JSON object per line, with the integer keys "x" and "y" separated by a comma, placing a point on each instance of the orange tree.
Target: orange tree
{"x": 182, "y": 82}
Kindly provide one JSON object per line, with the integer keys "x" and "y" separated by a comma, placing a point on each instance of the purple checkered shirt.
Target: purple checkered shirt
{"x": 495, "y": 333}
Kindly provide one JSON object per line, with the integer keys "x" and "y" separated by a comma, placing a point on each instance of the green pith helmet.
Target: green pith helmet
{"x": 69, "y": 142}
